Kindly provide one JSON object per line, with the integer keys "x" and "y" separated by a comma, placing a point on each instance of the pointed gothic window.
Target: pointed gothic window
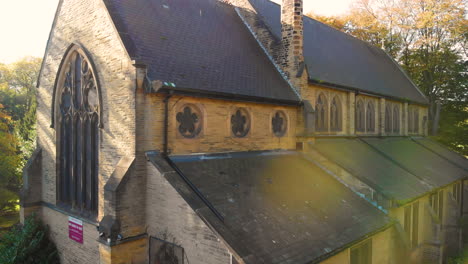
{"x": 388, "y": 118}
{"x": 410, "y": 120}
{"x": 335, "y": 114}
{"x": 360, "y": 127}
{"x": 321, "y": 112}
{"x": 370, "y": 117}
{"x": 416, "y": 120}
{"x": 396, "y": 119}
{"x": 77, "y": 114}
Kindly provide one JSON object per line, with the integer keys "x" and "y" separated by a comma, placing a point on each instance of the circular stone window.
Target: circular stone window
{"x": 240, "y": 123}
{"x": 279, "y": 124}
{"x": 189, "y": 121}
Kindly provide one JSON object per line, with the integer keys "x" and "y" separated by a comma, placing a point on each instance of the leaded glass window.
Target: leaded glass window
{"x": 388, "y": 118}
{"x": 416, "y": 120}
{"x": 78, "y": 122}
{"x": 370, "y": 117}
{"x": 360, "y": 122}
{"x": 189, "y": 122}
{"x": 279, "y": 123}
{"x": 396, "y": 119}
{"x": 321, "y": 121}
{"x": 240, "y": 123}
{"x": 335, "y": 114}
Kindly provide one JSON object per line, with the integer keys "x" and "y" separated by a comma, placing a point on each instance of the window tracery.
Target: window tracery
{"x": 388, "y": 118}
{"x": 335, "y": 114}
{"x": 78, "y": 122}
{"x": 360, "y": 122}
{"x": 321, "y": 122}
{"x": 279, "y": 124}
{"x": 240, "y": 123}
{"x": 189, "y": 121}
{"x": 370, "y": 117}
{"x": 396, "y": 119}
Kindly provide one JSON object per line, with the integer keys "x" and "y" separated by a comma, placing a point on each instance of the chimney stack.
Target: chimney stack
{"x": 292, "y": 40}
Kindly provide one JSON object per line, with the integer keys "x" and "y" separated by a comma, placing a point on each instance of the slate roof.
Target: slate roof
{"x": 200, "y": 45}
{"x": 443, "y": 151}
{"x": 337, "y": 58}
{"x": 417, "y": 159}
{"x": 365, "y": 163}
{"x": 275, "y": 207}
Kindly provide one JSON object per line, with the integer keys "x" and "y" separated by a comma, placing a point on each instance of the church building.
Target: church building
{"x": 233, "y": 131}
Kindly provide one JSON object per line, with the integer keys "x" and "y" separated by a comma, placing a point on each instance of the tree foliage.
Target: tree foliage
{"x": 429, "y": 40}
{"x": 28, "y": 244}
{"x": 17, "y": 125}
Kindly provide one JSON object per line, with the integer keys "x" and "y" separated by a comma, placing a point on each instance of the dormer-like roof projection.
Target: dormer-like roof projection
{"x": 336, "y": 58}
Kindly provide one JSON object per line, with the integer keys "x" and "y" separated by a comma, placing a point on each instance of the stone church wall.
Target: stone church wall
{"x": 87, "y": 23}
{"x": 170, "y": 218}
{"x": 216, "y": 135}
{"x": 382, "y": 250}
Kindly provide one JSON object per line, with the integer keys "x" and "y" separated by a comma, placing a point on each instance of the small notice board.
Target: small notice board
{"x": 75, "y": 229}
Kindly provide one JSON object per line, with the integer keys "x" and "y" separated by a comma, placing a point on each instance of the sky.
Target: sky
{"x": 25, "y": 24}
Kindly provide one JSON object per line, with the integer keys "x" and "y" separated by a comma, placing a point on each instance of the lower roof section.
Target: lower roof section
{"x": 418, "y": 160}
{"x": 372, "y": 168}
{"x": 274, "y": 207}
{"x": 443, "y": 151}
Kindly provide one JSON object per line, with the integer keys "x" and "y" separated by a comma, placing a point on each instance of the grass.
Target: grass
{"x": 462, "y": 259}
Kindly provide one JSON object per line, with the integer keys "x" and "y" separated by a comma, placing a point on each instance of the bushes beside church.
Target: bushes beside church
{"x": 28, "y": 244}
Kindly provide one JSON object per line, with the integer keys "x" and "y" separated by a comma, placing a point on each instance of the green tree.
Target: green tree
{"x": 28, "y": 244}
{"x": 10, "y": 164}
{"x": 17, "y": 125}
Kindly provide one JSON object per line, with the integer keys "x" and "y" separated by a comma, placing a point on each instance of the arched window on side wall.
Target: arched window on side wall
{"x": 410, "y": 120}
{"x": 416, "y": 120}
{"x": 360, "y": 122}
{"x": 77, "y": 119}
{"x": 370, "y": 117}
{"x": 335, "y": 114}
{"x": 388, "y": 118}
{"x": 321, "y": 121}
{"x": 396, "y": 119}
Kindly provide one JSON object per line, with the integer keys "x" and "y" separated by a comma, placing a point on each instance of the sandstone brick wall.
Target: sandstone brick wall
{"x": 428, "y": 226}
{"x": 382, "y": 250}
{"x": 69, "y": 250}
{"x": 169, "y": 216}
{"x": 87, "y": 23}
{"x": 216, "y": 135}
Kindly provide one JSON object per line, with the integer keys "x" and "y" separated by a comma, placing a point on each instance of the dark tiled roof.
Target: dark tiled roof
{"x": 197, "y": 44}
{"x": 443, "y": 151}
{"x": 276, "y": 206}
{"x": 418, "y": 160}
{"x": 340, "y": 59}
{"x": 365, "y": 163}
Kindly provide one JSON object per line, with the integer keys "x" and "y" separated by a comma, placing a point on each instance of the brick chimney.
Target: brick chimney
{"x": 292, "y": 57}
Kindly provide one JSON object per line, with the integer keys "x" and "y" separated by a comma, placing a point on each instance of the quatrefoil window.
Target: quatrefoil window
{"x": 189, "y": 121}
{"x": 279, "y": 124}
{"x": 240, "y": 123}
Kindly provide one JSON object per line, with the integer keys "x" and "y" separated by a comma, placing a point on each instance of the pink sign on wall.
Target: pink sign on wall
{"x": 75, "y": 229}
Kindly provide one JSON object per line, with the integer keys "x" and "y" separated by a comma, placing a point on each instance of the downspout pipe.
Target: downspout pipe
{"x": 165, "y": 155}
{"x": 166, "y": 124}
